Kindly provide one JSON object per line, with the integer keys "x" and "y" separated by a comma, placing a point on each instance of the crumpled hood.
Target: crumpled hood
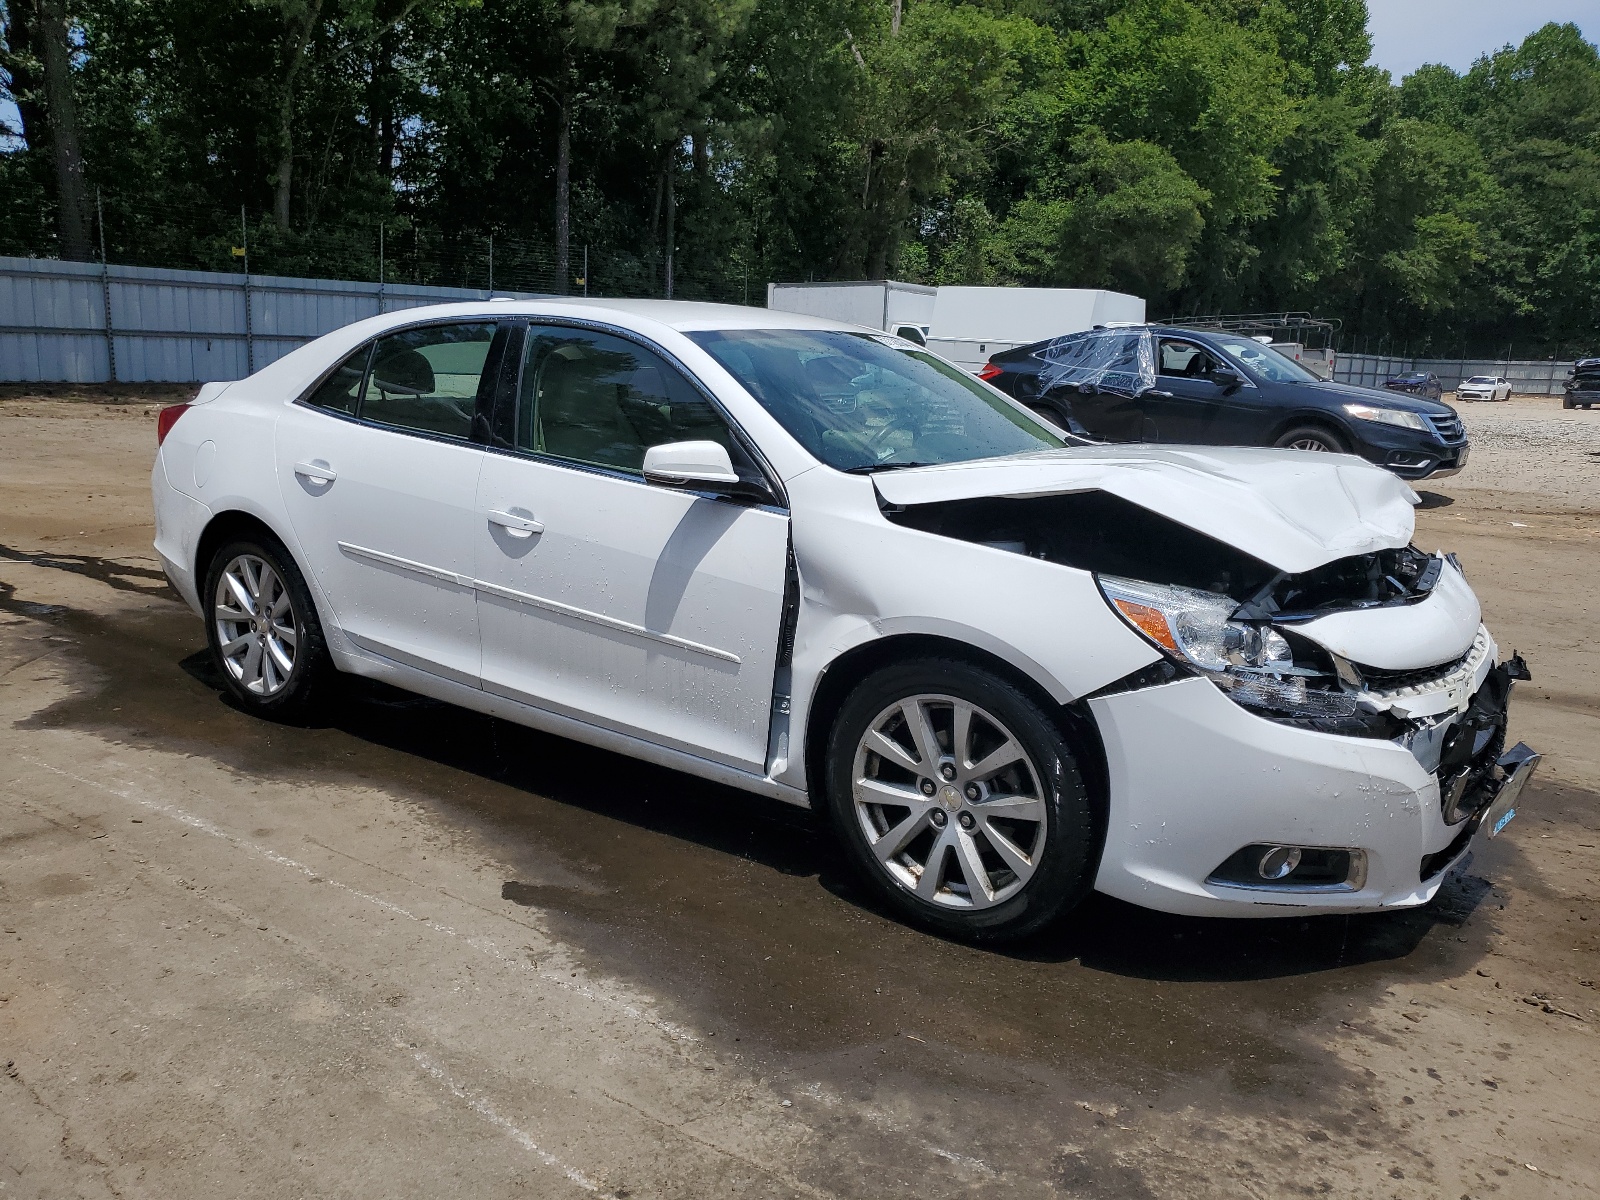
{"x": 1290, "y": 509}
{"x": 1435, "y": 630}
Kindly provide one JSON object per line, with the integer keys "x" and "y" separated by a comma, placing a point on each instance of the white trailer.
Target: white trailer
{"x": 964, "y": 324}
{"x": 884, "y": 304}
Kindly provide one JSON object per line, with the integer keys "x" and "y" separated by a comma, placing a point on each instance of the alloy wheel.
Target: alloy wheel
{"x": 949, "y": 801}
{"x": 1308, "y": 443}
{"x": 257, "y": 633}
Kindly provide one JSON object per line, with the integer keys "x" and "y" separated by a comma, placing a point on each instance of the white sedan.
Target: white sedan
{"x": 1483, "y": 387}
{"x": 821, "y": 564}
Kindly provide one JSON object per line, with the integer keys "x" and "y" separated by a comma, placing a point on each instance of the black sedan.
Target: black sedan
{"x": 1417, "y": 383}
{"x": 1153, "y": 383}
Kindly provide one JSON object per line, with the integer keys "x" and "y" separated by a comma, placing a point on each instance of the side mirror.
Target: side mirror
{"x": 1226, "y": 379}
{"x": 699, "y": 466}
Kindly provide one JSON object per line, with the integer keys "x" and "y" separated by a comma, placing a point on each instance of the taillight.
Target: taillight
{"x": 166, "y": 419}
{"x": 990, "y": 371}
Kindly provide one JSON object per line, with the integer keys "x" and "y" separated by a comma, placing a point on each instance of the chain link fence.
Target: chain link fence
{"x": 186, "y": 295}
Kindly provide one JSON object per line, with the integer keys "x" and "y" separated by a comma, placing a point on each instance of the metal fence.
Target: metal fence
{"x": 74, "y": 322}
{"x": 1538, "y": 377}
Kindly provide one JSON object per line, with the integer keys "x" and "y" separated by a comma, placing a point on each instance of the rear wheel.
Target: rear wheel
{"x": 1048, "y": 412}
{"x": 960, "y": 802}
{"x": 1313, "y": 438}
{"x": 263, "y": 630}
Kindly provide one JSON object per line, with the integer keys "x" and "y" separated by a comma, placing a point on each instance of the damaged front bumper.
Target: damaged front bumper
{"x": 1215, "y": 810}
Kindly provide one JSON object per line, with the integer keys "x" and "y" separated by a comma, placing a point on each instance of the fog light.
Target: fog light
{"x": 1278, "y": 862}
{"x": 1293, "y": 868}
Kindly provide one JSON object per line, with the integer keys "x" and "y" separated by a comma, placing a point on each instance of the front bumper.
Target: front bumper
{"x": 1194, "y": 778}
{"x": 1410, "y": 453}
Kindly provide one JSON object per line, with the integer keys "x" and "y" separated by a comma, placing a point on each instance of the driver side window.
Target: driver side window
{"x": 602, "y": 400}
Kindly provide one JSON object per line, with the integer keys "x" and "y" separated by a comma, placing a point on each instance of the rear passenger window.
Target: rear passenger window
{"x": 427, "y": 379}
{"x": 342, "y": 390}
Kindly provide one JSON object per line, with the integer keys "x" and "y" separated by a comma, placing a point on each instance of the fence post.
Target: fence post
{"x": 105, "y": 290}
{"x": 249, "y": 328}
{"x": 491, "y": 266}
{"x": 586, "y": 268}
{"x": 380, "y": 268}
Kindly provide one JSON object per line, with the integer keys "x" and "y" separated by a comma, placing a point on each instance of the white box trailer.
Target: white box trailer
{"x": 963, "y": 324}
{"x": 1321, "y": 363}
{"x": 972, "y": 323}
{"x": 884, "y": 304}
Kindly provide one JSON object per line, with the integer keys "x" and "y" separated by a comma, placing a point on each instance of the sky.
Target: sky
{"x": 1405, "y": 33}
{"x": 1408, "y": 33}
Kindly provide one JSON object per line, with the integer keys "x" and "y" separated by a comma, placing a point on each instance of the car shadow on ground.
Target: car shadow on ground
{"x": 501, "y": 773}
{"x": 1104, "y": 934}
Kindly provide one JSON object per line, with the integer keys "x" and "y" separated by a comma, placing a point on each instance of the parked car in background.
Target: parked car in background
{"x": 1155, "y": 383}
{"x": 1583, "y": 385}
{"x": 1417, "y": 383}
{"x": 1484, "y": 387}
{"x": 820, "y": 564}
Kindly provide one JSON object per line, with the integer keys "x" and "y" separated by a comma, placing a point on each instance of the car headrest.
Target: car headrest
{"x": 404, "y": 370}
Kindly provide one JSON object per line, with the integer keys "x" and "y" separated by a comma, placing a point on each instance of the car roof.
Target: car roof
{"x": 685, "y": 316}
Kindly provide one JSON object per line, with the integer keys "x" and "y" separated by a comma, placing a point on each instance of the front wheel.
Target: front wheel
{"x": 263, "y": 630}
{"x": 1314, "y": 438}
{"x": 960, "y": 801}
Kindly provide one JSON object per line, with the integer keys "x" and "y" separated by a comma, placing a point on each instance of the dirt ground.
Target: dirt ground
{"x": 417, "y": 952}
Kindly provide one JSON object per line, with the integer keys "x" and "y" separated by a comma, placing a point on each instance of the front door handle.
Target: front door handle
{"x": 317, "y": 472}
{"x": 516, "y": 526}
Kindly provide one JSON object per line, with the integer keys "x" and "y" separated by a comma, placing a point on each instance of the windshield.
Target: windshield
{"x": 864, "y": 403}
{"x": 1265, "y": 362}
{"x": 1480, "y": 379}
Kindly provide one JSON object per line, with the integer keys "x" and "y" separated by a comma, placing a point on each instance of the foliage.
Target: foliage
{"x": 1210, "y": 155}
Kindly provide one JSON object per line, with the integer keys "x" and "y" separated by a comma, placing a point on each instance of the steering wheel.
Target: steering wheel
{"x": 874, "y": 441}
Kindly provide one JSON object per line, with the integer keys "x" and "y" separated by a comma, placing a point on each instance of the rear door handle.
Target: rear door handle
{"x": 317, "y": 472}
{"x": 520, "y": 527}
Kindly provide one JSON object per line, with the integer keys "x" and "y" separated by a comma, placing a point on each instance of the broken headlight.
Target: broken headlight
{"x": 1249, "y": 660}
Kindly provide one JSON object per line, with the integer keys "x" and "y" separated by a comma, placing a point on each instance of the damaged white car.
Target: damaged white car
{"x": 823, "y": 565}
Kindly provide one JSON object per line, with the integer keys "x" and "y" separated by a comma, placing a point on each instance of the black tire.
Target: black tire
{"x": 298, "y": 695}
{"x": 1298, "y": 438}
{"x": 1566, "y": 402}
{"x": 1064, "y": 850}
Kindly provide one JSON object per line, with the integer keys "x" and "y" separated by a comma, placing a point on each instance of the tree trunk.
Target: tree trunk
{"x": 384, "y": 125}
{"x": 72, "y": 195}
{"x": 564, "y": 198}
{"x": 283, "y": 178}
{"x": 655, "y": 206}
{"x": 672, "y": 212}
{"x": 894, "y": 18}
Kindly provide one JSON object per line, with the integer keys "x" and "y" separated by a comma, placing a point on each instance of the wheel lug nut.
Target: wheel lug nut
{"x": 967, "y": 821}
{"x": 928, "y": 787}
{"x": 947, "y": 771}
{"x": 972, "y": 791}
{"x": 938, "y": 818}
